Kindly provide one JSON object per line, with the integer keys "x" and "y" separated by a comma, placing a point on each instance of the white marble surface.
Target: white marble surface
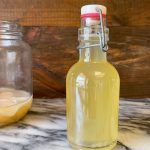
{"x": 44, "y": 128}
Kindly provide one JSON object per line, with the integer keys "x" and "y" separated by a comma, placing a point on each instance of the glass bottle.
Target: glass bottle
{"x": 92, "y": 86}
{"x": 15, "y": 74}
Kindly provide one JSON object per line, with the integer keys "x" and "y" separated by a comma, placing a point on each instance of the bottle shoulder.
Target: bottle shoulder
{"x": 98, "y": 69}
{"x": 72, "y": 69}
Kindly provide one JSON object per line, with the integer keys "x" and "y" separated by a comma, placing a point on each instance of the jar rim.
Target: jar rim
{"x": 10, "y": 30}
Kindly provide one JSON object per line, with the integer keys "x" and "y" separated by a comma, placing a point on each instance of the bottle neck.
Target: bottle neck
{"x": 92, "y": 54}
{"x": 89, "y": 36}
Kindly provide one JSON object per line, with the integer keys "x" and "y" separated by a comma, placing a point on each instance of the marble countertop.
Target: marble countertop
{"x": 44, "y": 128}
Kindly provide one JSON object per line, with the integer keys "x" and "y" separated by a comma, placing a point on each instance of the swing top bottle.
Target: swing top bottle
{"x": 92, "y": 86}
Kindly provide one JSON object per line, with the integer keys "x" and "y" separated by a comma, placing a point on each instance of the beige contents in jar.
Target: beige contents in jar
{"x": 14, "y": 104}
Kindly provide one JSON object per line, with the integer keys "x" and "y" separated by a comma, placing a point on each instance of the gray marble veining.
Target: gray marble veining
{"x": 44, "y": 128}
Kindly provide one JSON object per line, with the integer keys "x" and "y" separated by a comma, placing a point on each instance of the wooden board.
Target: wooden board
{"x": 51, "y": 30}
{"x": 67, "y": 12}
{"x": 54, "y": 51}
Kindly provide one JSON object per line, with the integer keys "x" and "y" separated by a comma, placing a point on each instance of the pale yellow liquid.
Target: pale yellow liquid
{"x": 14, "y": 104}
{"x": 92, "y": 104}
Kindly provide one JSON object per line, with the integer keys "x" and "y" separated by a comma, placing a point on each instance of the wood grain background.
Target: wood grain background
{"x": 51, "y": 29}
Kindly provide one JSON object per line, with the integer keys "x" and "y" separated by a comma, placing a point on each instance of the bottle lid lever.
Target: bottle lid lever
{"x": 101, "y": 33}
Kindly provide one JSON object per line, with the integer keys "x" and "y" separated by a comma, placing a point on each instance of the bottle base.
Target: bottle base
{"x": 106, "y": 147}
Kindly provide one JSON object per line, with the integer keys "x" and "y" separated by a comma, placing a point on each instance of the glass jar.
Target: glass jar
{"x": 15, "y": 74}
{"x": 92, "y": 91}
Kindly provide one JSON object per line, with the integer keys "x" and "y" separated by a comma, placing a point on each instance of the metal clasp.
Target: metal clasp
{"x": 101, "y": 33}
